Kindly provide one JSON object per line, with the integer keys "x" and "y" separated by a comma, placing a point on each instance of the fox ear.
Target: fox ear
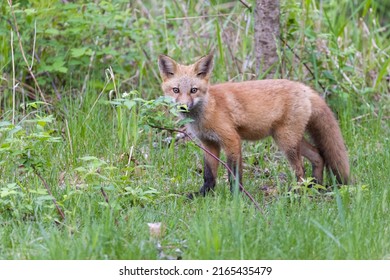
{"x": 167, "y": 66}
{"x": 204, "y": 66}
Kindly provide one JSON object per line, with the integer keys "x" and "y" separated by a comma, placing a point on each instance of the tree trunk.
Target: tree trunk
{"x": 266, "y": 36}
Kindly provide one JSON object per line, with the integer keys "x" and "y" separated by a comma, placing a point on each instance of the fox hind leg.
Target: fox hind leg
{"x": 313, "y": 155}
{"x": 292, "y": 149}
{"x": 232, "y": 148}
{"x": 294, "y": 157}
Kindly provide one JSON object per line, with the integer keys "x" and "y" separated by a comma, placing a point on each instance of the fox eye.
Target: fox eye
{"x": 194, "y": 90}
{"x": 176, "y": 90}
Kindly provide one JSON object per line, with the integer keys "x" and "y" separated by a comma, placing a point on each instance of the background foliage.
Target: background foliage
{"x": 84, "y": 140}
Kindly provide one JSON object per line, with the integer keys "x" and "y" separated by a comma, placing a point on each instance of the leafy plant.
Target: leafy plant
{"x": 21, "y": 151}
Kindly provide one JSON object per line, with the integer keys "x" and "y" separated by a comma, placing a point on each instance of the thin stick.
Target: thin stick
{"x": 248, "y": 6}
{"x": 13, "y": 78}
{"x": 104, "y": 195}
{"x": 199, "y": 17}
{"x": 216, "y": 158}
{"x": 90, "y": 66}
{"x": 360, "y": 117}
{"x": 34, "y": 42}
{"x": 304, "y": 64}
{"x": 69, "y": 138}
{"x": 51, "y": 194}
{"x": 97, "y": 99}
{"x": 129, "y": 160}
{"x": 23, "y": 54}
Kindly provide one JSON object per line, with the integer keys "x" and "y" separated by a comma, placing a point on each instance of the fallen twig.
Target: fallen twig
{"x": 104, "y": 195}
{"x": 248, "y": 6}
{"x": 49, "y": 191}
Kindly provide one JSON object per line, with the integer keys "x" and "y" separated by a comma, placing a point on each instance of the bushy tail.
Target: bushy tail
{"x": 326, "y": 134}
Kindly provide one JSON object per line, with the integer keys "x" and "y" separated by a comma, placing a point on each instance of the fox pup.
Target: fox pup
{"x": 225, "y": 114}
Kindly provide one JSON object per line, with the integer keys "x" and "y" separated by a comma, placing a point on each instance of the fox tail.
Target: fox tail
{"x": 326, "y": 134}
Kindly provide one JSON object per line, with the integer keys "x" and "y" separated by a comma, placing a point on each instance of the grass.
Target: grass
{"x": 90, "y": 145}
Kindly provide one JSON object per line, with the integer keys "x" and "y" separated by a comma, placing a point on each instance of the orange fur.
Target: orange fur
{"x": 225, "y": 114}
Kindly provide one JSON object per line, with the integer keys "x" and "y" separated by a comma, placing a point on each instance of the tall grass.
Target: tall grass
{"x": 111, "y": 174}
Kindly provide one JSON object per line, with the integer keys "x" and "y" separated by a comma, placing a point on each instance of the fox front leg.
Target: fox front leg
{"x": 210, "y": 169}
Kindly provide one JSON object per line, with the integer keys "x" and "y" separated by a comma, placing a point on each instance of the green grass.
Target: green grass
{"x": 90, "y": 145}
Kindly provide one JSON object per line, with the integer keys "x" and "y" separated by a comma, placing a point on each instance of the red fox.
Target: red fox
{"x": 225, "y": 114}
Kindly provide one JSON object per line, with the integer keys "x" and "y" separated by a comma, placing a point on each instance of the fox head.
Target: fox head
{"x": 186, "y": 84}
